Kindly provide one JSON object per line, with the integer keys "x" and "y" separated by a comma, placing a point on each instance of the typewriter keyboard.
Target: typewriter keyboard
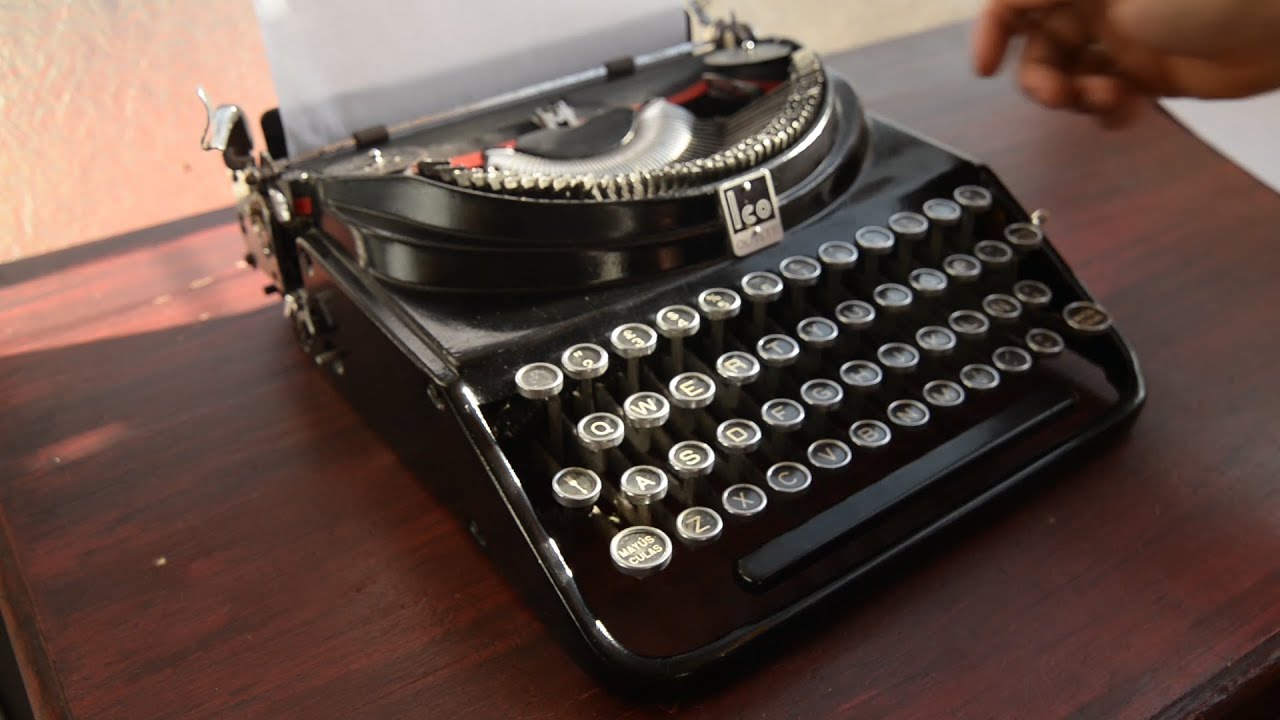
{"x": 733, "y": 438}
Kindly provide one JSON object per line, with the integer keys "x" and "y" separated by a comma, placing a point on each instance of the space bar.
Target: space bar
{"x": 791, "y": 551}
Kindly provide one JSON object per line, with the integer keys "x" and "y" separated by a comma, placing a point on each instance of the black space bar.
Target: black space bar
{"x": 793, "y": 550}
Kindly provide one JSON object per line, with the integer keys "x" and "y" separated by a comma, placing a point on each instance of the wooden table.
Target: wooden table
{"x": 195, "y": 525}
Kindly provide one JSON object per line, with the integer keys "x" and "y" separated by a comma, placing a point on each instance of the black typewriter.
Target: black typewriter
{"x": 688, "y": 343}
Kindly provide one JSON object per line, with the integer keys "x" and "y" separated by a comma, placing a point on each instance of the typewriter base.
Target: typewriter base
{"x": 390, "y": 372}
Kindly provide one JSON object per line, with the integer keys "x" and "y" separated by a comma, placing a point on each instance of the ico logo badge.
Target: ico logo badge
{"x": 749, "y": 206}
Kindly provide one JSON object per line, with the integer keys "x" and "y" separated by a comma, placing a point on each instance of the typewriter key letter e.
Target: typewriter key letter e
{"x": 750, "y": 208}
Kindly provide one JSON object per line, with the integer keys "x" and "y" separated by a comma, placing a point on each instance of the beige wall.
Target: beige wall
{"x": 101, "y": 124}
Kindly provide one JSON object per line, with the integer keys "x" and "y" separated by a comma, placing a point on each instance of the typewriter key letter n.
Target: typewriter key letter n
{"x": 750, "y": 209}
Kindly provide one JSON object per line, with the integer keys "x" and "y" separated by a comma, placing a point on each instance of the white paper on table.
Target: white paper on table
{"x": 1246, "y": 132}
{"x": 341, "y": 66}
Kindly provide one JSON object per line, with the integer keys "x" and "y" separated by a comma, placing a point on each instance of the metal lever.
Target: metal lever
{"x": 225, "y": 130}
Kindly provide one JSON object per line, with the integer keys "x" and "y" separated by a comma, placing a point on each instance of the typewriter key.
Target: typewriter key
{"x": 969, "y": 324}
{"x": 736, "y": 369}
{"x": 1045, "y": 343}
{"x": 736, "y": 438}
{"x": 575, "y": 487}
{"x": 1087, "y": 318}
{"x": 874, "y": 242}
{"x": 598, "y": 432}
{"x": 633, "y": 341}
{"x": 997, "y": 260}
{"x": 801, "y": 273}
{"x": 782, "y": 417}
{"x": 979, "y": 377}
{"x": 1011, "y": 360}
{"x": 585, "y": 362}
{"x": 645, "y": 411}
{"x": 927, "y": 282}
{"x": 691, "y": 459}
{"x": 861, "y": 376}
{"x": 699, "y": 525}
{"x": 1033, "y": 293}
{"x": 870, "y": 434}
{"x": 676, "y": 323}
{"x": 829, "y": 454}
{"x": 908, "y": 229}
{"x": 854, "y": 317}
{"x": 893, "y": 298}
{"x": 898, "y": 357}
{"x": 943, "y": 215}
{"x": 822, "y": 395}
{"x": 936, "y": 340}
{"x": 788, "y": 477}
{"x": 910, "y": 414}
{"x": 962, "y": 269}
{"x": 976, "y": 201}
{"x": 943, "y": 394}
{"x": 641, "y": 486}
{"x": 543, "y": 382}
{"x": 1024, "y": 237}
{"x": 640, "y": 551}
{"x": 1002, "y": 308}
{"x": 719, "y": 305}
{"x": 776, "y": 352}
{"x": 761, "y": 288}
{"x": 743, "y": 500}
{"x": 839, "y": 257}
{"x": 817, "y": 333}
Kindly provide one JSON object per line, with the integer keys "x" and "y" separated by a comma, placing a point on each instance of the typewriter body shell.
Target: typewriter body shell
{"x": 423, "y": 299}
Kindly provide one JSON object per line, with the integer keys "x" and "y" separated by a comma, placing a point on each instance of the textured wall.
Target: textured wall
{"x": 101, "y": 124}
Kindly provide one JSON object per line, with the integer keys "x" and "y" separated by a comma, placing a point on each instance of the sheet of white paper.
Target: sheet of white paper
{"x": 341, "y": 66}
{"x": 1246, "y": 132}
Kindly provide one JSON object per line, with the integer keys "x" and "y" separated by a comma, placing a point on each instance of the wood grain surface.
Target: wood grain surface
{"x": 195, "y": 525}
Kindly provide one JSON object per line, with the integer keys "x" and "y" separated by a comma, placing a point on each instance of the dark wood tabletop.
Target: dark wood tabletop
{"x": 196, "y": 525}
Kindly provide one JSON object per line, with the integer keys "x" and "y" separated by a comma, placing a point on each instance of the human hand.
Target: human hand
{"x": 1101, "y": 57}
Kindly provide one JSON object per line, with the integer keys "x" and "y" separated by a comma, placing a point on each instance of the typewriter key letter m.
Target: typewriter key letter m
{"x": 750, "y": 208}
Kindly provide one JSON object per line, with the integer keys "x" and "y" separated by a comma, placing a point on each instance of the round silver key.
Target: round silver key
{"x": 539, "y": 381}
{"x": 856, "y": 314}
{"x": 870, "y": 434}
{"x": 1087, "y": 318}
{"x": 838, "y": 255}
{"x": 874, "y": 240}
{"x": 979, "y": 377}
{"x": 943, "y": 394}
{"x": 908, "y": 413}
{"x": 908, "y": 225}
{"x": 691, "y": 459}
{"x": 640, "y": 551}
{"x": 942, "y": 212}
{"x": 936, "y": 340}
{"x": 719, "y": 303}
{"x": 777, "y": 350}
{"x": 678, "y": 321}
{"x": 601, "y": 431}
{"x": 993, "y": 253}
{"x": 788, "y": 477}
{"x": 829, "y": 454}
{"x": 762, "y": 286}
{"x": 737, "y": 436}
{"x": 861, "y": 375}
{"x": 1033, "y": 293}
{"x": 576, "y": 487}
{"x": 969, "y": 324}
{"x": 1045, "y": 343}
{"x": 691, "y": 390}
{"x": 1011, "y": 359}
{"x": 646, "y": 410}
{"x": 817, "y": 332}
{"x": 743, "y": 500}
{"x": 1002, "y": 307}
{"x": 973, "y": 198}
{"x": 643, "y": 484}
{"x": 892, "y": 297}
{"x": 927, "y": 282}
{"x": 1024, "y": 236}
{"x": 585, "y": 361}
{"x": 898, "y": 356}
{"x": 699, "y": 525}
{"x": 962, "y": 268}
{"x": 822, "y": 395}
{"x": 633, "y": 340}
{"x": 738, "y": 368}
{"x": 800, "y": 270}
{"x": 782, "y": 414}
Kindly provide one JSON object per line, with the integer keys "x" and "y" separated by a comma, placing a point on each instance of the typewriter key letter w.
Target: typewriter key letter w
{"x": 750, "y": 209}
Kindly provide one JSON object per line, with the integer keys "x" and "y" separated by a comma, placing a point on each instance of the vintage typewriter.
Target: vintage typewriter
{"x": 689, "y": 343}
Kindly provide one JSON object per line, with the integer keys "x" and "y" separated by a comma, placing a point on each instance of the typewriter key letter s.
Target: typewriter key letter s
{"x": 750, "y": 209}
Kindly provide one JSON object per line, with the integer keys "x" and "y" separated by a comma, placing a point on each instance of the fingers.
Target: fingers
{"x": 998, "y": 23}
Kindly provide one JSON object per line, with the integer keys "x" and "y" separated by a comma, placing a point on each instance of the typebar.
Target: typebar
{"x": 792, "y": 551}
